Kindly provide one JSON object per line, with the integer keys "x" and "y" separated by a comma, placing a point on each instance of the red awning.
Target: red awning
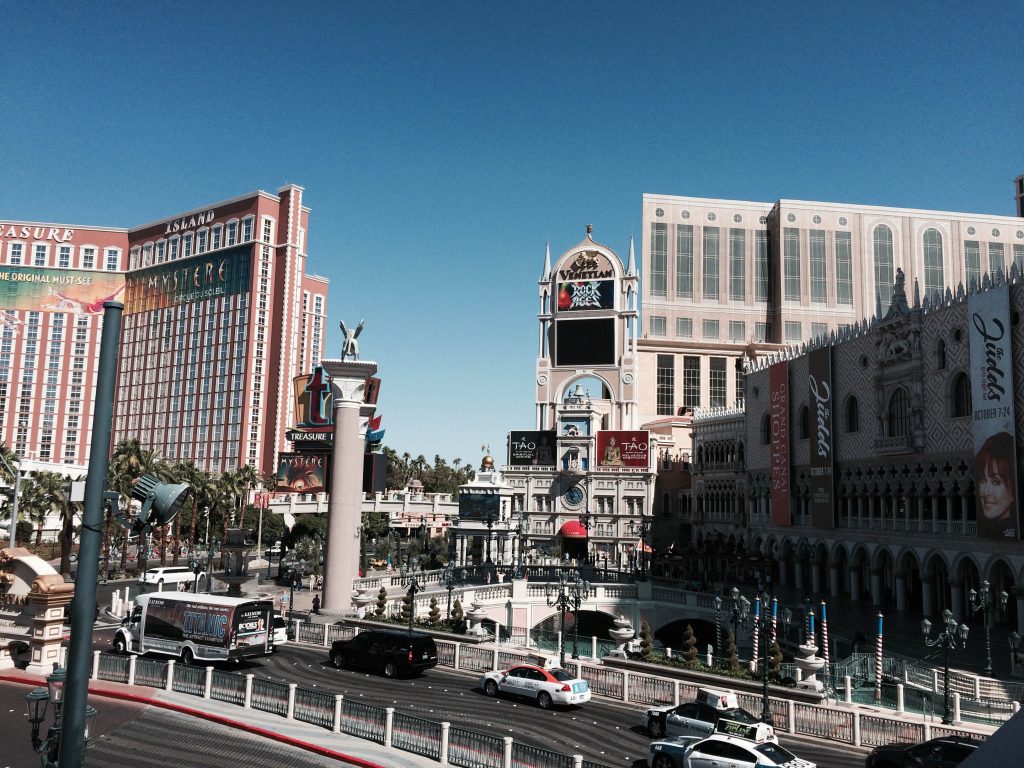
{"x": 572, "y": 530}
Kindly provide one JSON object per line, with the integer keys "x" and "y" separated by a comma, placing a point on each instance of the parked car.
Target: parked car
{"x": 943, "y": 752}
{"x": 546, "y": 686}
{"x": 699, "y": 717}
{"x": 171, "y": 575}
{"x": 272, "y": 550}
{"x": 733, "y": 745}
{"x": 279, "y": 633}
{"x": 391, "y": 652}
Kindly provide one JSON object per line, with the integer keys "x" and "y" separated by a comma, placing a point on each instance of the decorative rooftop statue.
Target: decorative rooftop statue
{"x": 350, "y": 347}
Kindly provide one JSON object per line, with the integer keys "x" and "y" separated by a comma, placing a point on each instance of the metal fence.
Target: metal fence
{"x": 526, "y": 756}
{"x": 114, "y": 668}
{"x": 364, "y": 720}
{"x": 269, "y": 696}
{"x": 313, "y": 634}
{"x": 150, "y": 672}
{"x": 416, "y": 734}
{"x": 227, "y": 686}
{"x": 832, "y": 724}
{"x": 189, "y": 679}
{"x": 316, "y": 707}
{"x": 469, "y": 749}
{"x": 473, "y": 658}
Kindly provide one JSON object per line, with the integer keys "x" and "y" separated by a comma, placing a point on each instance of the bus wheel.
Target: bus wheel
{"x": 187, "y": 657}
{"x": 120, "y": 647}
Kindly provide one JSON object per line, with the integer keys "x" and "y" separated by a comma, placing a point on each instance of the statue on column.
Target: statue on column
{"x": 350, "y": 347}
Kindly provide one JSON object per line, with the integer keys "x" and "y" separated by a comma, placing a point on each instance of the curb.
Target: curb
{"x": 306, "y": 746}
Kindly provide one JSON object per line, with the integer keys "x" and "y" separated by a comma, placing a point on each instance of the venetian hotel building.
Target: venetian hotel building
{"x": 220, "y": 314}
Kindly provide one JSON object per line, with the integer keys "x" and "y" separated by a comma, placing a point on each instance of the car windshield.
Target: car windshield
{"x": 739, "y": 715}
{"x": 561, "y": 675}
{"x": 775, "y": 752}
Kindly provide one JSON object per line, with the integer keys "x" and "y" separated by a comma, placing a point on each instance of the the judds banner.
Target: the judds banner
{"x": 819, "y": 383}
{"x": 995, "y": 454}
{"x": 778, "y": 384}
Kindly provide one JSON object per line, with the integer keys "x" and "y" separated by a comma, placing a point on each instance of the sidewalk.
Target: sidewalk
{"x": 313, "y": 739}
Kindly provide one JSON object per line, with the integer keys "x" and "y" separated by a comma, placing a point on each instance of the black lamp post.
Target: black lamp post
{"x": 489, "y": 518}
{"x": 568, "y": 594}
{"x": 984, "y": 601}
{"x": 585, "y": 522}
{"x": 296, "y": 569}
{"x": 518, "y": 531}
{"x": 740, "y": 610}
{"x": 209, "y": 562}
{"x": 36, "y": 702}
{"x": 640, "y": 530}
{"x": 763, "y": 626}
{"x": 451, "y": 581}
{"x": 423, "y": 529}
{"x": 718, "y": 623}
{"x": 951, "y": 638}
{"x": 414, "y": 589}
{"x": 196, "y": 565}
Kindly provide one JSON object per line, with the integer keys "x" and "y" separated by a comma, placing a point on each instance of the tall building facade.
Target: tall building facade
{"x": 725, "y": 280}
{"x": 220, "y": 314}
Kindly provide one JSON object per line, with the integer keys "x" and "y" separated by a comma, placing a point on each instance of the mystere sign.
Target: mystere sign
{"x": 194, "y": 279}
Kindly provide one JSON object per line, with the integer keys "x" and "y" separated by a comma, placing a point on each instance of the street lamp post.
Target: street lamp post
{"x": 423, "y": 537}
{"x": 489, "y": 516}
{"x": 414, "y": 589}
{"x": 36, "y": 702}
{"x": 518, "y": 531}
{"x": 718, "y": 623}
{"x": 210, "y": 547}
{"x": 984, "y": 601}
{"x": 571, "y": 591}
{"x": 740, "y": 610}
{"x": 951, "y": 638}
{"x": 640, "y": 530}
{"x": 763, "y": 625}
{"x": 585, "y": 522}
{"x": 451, "y": 581}
{"x": 296, "y": 569}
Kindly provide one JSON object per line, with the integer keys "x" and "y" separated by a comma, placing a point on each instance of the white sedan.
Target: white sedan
{"x": 545, "y": 686}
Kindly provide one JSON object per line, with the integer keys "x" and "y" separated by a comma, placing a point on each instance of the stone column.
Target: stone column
{"x": 956, "y": 599}
{"x": 854, "y": 583}
{"x": 344, "y": 505}
{"x": 876, "y": 587}
{"x": 901, "y": 591}
{"x": 816, "y": 577}
{"x": 927, "y": 599}
{"x": 834, "y": 587}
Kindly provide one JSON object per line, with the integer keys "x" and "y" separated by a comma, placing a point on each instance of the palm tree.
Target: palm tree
{"x": 247, "y": 478}
{"x": 46, "y": 498}
{"x": 10, "y": 459}
{"x": 130, "y": 462}
{"x": 68, "y": 510}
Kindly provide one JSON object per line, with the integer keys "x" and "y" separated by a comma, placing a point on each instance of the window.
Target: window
{"x": 247, "y": 229}
{"x": 793, "y": 331}
{"x": 851, "y": 414}
{"x": 666, "y": 385}
{"x": 844, "y": 268}
{"x": 691, "y": 382}
{"x": 882, "y": 243}
{"x": 40, "y": 252}
{"x": 215, "y": 237}
{"x": 232, "y": 232}
{"x": 819, "y": 330}
{"x": 898, "y": 414}
{"x": 14, "y": 253}
{"x": 717, "y": 385}
{"x": 803, "y": 423}
{"x": 933, "y": 279}
{"x": 940, "y": 355}
{"x": 961, "y": 396}
{"x": 737, "y": 265}
{"x": 88, "y": 258}
{"x": 659, "y": 259}
{"x": 737, "y": 330}
{"x": 760, "y": 266}
{"x": 766, "y": 429}
{"x": 658, "y": 325}
{"x": 684, "y": 260}
{"x": 186, "y": 245}
{"x": 972, "y": 262}
{"x": 1018, "y": 256}
{"x": 819, "y": 271}
{"x": 791, "y": 263}
{"x": 710, "y": 329}
{"x": 760, "y": 331}
{"x": 268, "y": 230}
{"x": 64, "y": 257}
{"x": 201, "y": 236}
{"x": 172, "y": 250}
{"x": 113, "y": 259}
{"x": 996, "y": 262}
{"x": 711, "y": 262}
{"x": 160, "y": 249}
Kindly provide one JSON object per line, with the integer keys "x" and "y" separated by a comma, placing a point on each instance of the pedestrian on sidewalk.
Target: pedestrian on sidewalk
{"x": 316, "y": 603}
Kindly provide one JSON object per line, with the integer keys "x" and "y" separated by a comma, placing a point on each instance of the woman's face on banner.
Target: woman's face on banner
{"x": 994, "y": 492}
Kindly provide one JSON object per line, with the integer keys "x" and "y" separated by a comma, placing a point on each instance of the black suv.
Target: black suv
{"x": 943, "y": 752}
{"x": 392, "y": 652}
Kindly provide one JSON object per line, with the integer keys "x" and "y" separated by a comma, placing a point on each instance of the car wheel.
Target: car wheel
{"x": 120, "y": 647}
{"x": 656, "y": 726}
{"x": 491, "y": 688}
{"x": 390, "y": 670}
{"x": 187, "y": 657}
{"x": 338, "y": 660}
{"x": 663, "y": 761}
{"x": 544, "y": 700}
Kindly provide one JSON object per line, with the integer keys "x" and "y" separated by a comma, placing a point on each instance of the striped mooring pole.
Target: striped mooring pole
{"x": 878, "y": 660}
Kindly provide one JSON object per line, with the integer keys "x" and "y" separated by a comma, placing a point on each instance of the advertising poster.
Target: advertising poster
{"x": 995, "y": 450}
{"x": 623, "y": 448}
{"x": 474, "y": 505}
{"x": 314, "y": 419}
{"x": 39, "y": 289}
{"x": 819, "y": 382}
{"x": 586, "y": 294}
{"x": 302, "y": 473}
{"x": 194, "y": 279}
{"x": 531, "y": 449}
{"x": 778, "y": 402}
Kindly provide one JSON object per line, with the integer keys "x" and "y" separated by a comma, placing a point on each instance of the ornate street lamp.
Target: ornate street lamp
{"x": 518, "y": 532}
{"x": 489, "y": 516}
{"x": 36, "y": 702}
{"x": 740, "y": 609}
{"x": 952, "y": 637}
{"x": 295, "y": 569}
{"x": 983, "y": 601}
{"x": 763, "y": 626}
{"x": 568, "y": 594}
{"x": 585, "y": 522}
{"x": 414, "y": 589}
{"x": 211, "y": 548}
{"x": 718, "y": 623}
{"x": 640, "y": 530}
{"x": 451, "y": 581}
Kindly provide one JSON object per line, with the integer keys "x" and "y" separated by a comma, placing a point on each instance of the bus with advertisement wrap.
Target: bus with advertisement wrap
{"x": 197, "y": 627}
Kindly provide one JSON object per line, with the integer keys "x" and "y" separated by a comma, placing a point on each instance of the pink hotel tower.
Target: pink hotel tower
{"x": 220, "y": 314}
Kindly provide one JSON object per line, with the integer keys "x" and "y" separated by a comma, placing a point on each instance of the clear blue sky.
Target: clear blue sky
{"x": 441, "y": 145}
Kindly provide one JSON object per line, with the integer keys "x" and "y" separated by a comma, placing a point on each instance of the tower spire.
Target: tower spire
{"x": 631, "y": 266}
{"x": 547, "y": 262}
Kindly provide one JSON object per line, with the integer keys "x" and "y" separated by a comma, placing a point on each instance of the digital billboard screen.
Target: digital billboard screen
{"x": 585, "y": 342}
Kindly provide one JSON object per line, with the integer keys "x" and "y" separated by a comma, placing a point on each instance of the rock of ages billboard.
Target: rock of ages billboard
{"x": 993, "y": 423}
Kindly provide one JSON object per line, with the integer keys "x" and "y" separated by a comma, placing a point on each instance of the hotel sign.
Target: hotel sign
{"x": 185, "y": 280}
{"x": 40, "y": 289}
{"x": 819, "y": 383}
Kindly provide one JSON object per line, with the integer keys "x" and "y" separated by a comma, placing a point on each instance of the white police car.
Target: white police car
{"x": 698, "y": 717}
{"x": 733, "y": 745}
